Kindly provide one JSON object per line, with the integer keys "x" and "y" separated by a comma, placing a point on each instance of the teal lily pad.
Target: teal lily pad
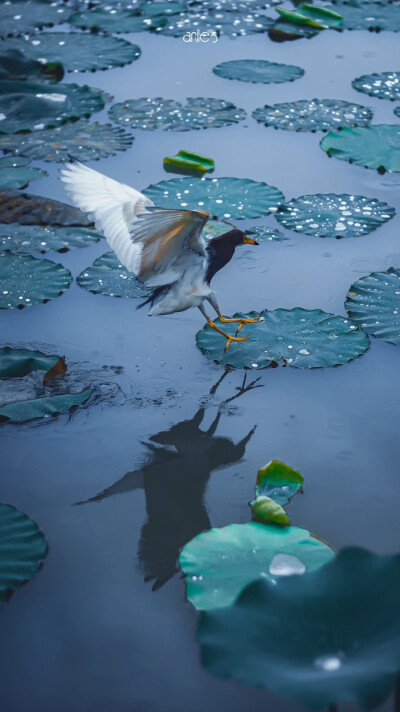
{"x": 258, "y": 71}
{"x": 317, "y": 639}
{"x": 313, "y": 115}
{"x": 264, "y": 233}
{"x": 22, "y": 550}
{"x": 17, "y": 363}
{"x": 222, "y": 197}
{"x": 189, "y": 162}
{"x": 373, "y": 302}
{"x": 32, "y": 106}
{"x": 15, "y": 66}
{"x": 216, "y": 23}
{"x": 215, "y": 228}
{"x": 369, "y": 16}
{"x": 278, "y": 481}
{"x": 116, "y": 19}
{"x": 197, "y": 113}
{"x": 26, "y": 281}
{"x": 44, "y": 407}
{"x": 332, "y": 215}
{"x": 219, "y": 563}
{"x": 313, "y": 16}
{"x": 16, "y": 173}
{"x": 30, "y": 209}
{"x": 33, "y": 239}
{"x": 385, "y": 85}
{"x": 108, "y": 276}
{"x": 375, "y": 147}
{"x": 397, "y": 111}
{"x": 78, "y": 52}
{"x": 85, "y": 141}
{"x": 169, "y": 7}
{"x": 238, "y": 5}
{"x": 20, "y": 17}
{"x": 296, "y": 337}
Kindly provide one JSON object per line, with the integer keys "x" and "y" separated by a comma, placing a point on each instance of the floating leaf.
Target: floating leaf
{"x": 316, "y": 639}
{"x": 313, "y": 16}
{"x": 22, "y": 550}
{"x": 87, "y": 142}
{"x": 15, "y": 66}
{"x": 374, "y": 304}
{"x": 16, "y": 363}
{"x": 188, "y": 162}
{"x": 108, "y": 276}
{"x": 116, "y": 19}
{"x": 368, "y": 146}
{"x": 197, "y": 113}
{"x": 296, "y": 337}
{"x": 258, "y": 71}
{"x": 31, "y": 106}
{"x": 25, "y": 281}
{"x": 34, "y": 210}
{"x": 219, "y": 563}
{"x": 313, "y": 115}
{"x": 282, "y": 31}
{"x": 78, "y": 52}
{"x": 236, "y": 5}
{"x": 265, "y": 233}
{"x": 15, "y": 173}
{"x": 22, "y": 411}
{"x": 16, "y": 17}
{"x": 334, "y": 215}
{"x": 267, "y": 510}
{"x": 31, "y": 239}
{"x": 385, "y": 85}
{"x": 278, "y": 481}
{"x": 221, "y": 197}
{"x": 216, "y": 23}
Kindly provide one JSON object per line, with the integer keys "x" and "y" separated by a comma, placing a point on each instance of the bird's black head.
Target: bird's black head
{"x": 220, "y": 250}
{"x": 237, "y": 237}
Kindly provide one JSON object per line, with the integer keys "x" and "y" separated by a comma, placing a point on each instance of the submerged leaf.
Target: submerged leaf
{"x": 15, "y": 66}
{"x": 22, "y": 550}
{"x": 369, "y": 146}
{"x": 34, "y": 210}
{"x": 15, "y": 173}
{"x": 22, "y": 411}
{"x": 108, "y": 276}
{"x": 197, "y": 113}
{"x": 31, "y": 239}
{"x": 313, "y": 115}
{"x": 258, "y": 71}
{"x": 26, "y": 281}
{"x": 374, "y": 304}
{"x": 278, "y": 481}
{"x": 20, "y": 16}
{"x": 116, "y": 19}
{"x": 385, "y": 85}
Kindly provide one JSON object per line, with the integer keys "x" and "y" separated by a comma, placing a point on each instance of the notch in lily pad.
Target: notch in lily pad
{"x": 188, "y": 163}
{"x": 313, "y": 16}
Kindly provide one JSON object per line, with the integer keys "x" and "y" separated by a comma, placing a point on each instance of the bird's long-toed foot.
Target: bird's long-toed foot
{"x": 242, "y": 321}
{"x": 228, "y": 337}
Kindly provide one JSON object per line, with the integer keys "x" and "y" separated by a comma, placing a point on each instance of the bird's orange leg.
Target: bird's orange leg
{"x": 241, "y": 322}
{"x": 228, "y": 337}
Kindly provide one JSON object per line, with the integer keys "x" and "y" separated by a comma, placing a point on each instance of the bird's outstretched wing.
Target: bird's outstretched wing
{"x": 114, "y": 207}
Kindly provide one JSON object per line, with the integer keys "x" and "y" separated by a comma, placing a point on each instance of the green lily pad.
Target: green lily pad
{"x": 15, "y": 66}
{"x": 334, "y": 215}
{"x": 107, "y": 276}
{"x": 219, "y": 563}
{"x": 78, "y": 52}
{"x": 15, "y": 173}
{"x": 313, "y": 115}
{"x": 116, "y": 19}
{"x": 385, "y": 85}
{"x": 368, "y": 146}
{"x": 30, "y": 209}
{"x": 31, "y": 239}
{"x": 197, "y": 113}
{"x": 16, "y": 17}
{"x": 313, "y": 16}
{"x": 266, "y": 510}
{"x": 25, "y": 281}
{"x": 258, "y": 71}
{"x": 216, "y": 23}
{"x": 373, "y": 302}
{"x": 22, "y": 550}
{"x": 31, "y": 106}
{"x": 278, "y": 482}
{"x": 296, "y": 337}
{"x": 264, "y": 233}
{"x": 16, "y": 363}
{"x": 316, "y": 639}
{"x": 22, "y": 411}
{"x": 222, "y": 197}
{"x": 188, "y": 162}
{"x": 85, "y": 141}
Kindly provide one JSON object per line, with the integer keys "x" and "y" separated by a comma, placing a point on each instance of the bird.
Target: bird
{"x": 164, "y": 247}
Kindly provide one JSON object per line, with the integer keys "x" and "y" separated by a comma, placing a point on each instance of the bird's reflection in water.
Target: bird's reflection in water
{"x": 174, "y": 479}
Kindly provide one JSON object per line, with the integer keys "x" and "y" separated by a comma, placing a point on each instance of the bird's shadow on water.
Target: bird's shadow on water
{"x": 174, "y": 479}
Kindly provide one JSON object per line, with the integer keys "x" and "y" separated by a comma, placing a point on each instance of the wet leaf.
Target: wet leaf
{"x": 278, "y": 481}
{"x": 116, "y": 19}
{"x": 313, "y": 115}
{"x": 373, "y": 302}
{"x": 265, "y": 234}
{"x": 188, "y": 162}
{"x": 296, "y": 337}
{"x": 31, "y": 239}
{"x": 15, "y": 66}
{"x": 313, "y": 16}
{"x": 87, "y": 142}
{"x": 26, "y": 281}
{"x": 229, "y": 198}
{"x": 334, "y": 215}
{"x": 282, "y": 31}
{"x": 267, "y": 510}
{"x": 22, "y": 550}
{"x": 16, "y": 363}
{"x": 216, "y": 23}
{"x": 197, "y": 113}
{"x": 385, "y": 85}
{"x": 316, "y": 639}
{"x": 15, "y": 173}
{"x": 16, "y": 17}
{"x": 219, "y": 563}
{"x": 369, "y": 16}
{"x": 238, "y": 6}
{"x": 34, "y": 210}
{"x": 162, "y": 8}
{"x": 22, "y": 411}
{"x": 258, "y": 71}
{"x": 107, "y": 276}
{"x": 369, "y": 146}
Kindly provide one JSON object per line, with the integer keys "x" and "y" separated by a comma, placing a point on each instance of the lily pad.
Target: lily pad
{"x": 216, "y": 23}
{"x": 31, "y": 106}
{"x": 22, "y": 550}
{"x": 385, "y": 85}
{"x": 368, "y": 146}
{"x": 197, "y": 113}
{"x": 258, "y": 71}
{"x": 116, "y": 19}
{"x": 373, "y": 302}
{"x": 188, "y": 162}
{"x": 22, "y": 411}
{"x": 15, "y": 173}
{"x": 265, "y": 234}
{"x": 236, "y": 5}
{"x": 15, "y": 66}
{"x": 107, "y": 276}
{"x": 334, "y": 215}
{"x": 369, "y": 16}
{"x": 34, "y": 210}
{"x": 283, "y": 31}
{"x": 16, "y": 17}
{"x": 16, "y": 363}
{"x": 313, "y": 115}
{"x": 85, "y": 141}
{"x": 313, "y": 16}
{"x": 266, "y": 510}
{"x": 221, "y": 197}
{"x": 168, "y": 7}
{"x": 397, "y": 111}
{"x": 219, "y": 563}
{"x": 296, "y": 337}
{"x": 278, "y": 481}
{"x": 346, "y": 645}
{"x": 215, "y": 228}
{"x": 25, "y": 281}
{"x": 31, "y": 239}
{"x": 78, "y": 52}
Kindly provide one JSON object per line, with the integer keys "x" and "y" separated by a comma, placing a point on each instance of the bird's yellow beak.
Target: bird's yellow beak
{"x": 249, "y": 241}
